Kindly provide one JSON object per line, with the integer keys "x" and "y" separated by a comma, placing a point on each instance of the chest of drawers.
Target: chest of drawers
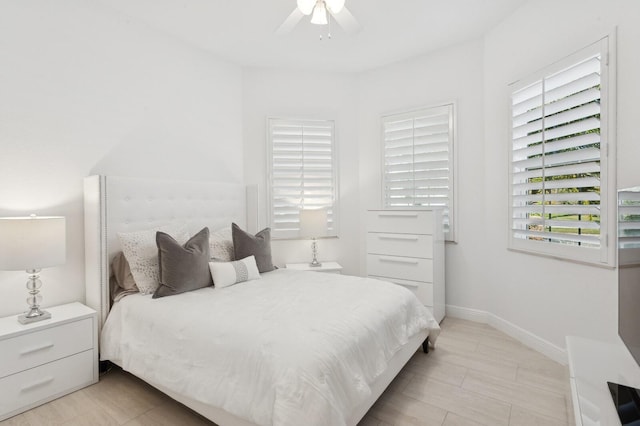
{"x": 45, "y": 360}
{"x": 406, "y": 247}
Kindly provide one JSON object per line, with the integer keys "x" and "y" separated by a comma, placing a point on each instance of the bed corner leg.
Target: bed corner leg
{"x": 104, "y": 367}
{"x": 425, "y": 345}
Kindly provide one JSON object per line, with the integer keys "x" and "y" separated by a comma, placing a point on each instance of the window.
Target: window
{"x": 560, "y": 175}
{"x": 418, "y": 161}
{"x": 303, "y": 173}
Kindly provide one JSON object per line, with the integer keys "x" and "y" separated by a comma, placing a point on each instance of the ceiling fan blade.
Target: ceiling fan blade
{"x": 347, "y": 21}
{"x": 289, "y": 24}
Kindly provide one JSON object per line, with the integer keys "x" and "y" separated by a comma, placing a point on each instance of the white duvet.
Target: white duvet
{"x": 291, "y": 348}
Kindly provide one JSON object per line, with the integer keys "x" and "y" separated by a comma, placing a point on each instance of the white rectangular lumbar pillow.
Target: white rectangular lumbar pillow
{"x": 225, "y": 274}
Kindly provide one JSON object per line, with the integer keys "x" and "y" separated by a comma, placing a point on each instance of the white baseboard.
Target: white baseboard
{"x": 474, "y": 315}
{"x": 523, "y": 336}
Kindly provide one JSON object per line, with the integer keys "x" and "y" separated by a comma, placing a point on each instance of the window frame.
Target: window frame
{"x": 605, "y": 255}
{"x": 276, "y": 234}
{"x": 452, "y": 234}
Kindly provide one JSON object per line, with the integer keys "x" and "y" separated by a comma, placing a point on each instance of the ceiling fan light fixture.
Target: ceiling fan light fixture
{"x": 319, "y": 14}
{"x": 306, "y": 6}
{"x": 335, "y": 6}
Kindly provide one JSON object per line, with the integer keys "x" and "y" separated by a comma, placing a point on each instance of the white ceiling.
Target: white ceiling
{"x": 243, "y": 31}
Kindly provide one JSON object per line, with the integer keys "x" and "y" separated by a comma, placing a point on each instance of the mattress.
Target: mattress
{"x": 292, "y": 348}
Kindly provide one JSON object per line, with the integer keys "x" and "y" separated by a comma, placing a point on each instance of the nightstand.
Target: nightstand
{"x": 331, "y": 267}
{"x": 44, "y": 360}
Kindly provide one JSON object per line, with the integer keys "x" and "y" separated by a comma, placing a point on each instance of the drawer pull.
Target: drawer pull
{"x": 397, "y": 214}
{"x": 398, "y": 237}
{"x": 398, "y": 260}
{"x": 36, "y": 349}
{"x": 37, "y": 384}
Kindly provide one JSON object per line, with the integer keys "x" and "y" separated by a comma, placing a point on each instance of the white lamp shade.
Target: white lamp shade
{"x": 335, "y": 6}
{"x": 319, "y": 15}
{"x": 313, "y": 223}
{"x": 306, "y": 6}
{"x": 32, "y": 242}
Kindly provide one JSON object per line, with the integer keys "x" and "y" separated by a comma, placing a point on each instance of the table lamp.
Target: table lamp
{"x": 30, "y": 244}
{"x": 313, "y": 224}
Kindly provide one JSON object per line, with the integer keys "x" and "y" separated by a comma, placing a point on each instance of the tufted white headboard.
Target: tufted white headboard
{"x": 122, "y": 204}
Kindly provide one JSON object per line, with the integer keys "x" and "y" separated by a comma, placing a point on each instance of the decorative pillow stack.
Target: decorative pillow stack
{"x": 155, "y": 262}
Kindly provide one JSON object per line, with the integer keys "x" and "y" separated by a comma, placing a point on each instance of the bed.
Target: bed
{"x": 290, "y": 348}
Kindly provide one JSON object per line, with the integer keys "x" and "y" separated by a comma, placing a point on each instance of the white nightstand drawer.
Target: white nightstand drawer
{"x": 45, "y": 382}
{"x": 39, "y": 347}
{"x": 405, "y": 268}
{"x": 423, "y": 290}
{"x": 412, "y": 245}
{"x": 400, "y": 221}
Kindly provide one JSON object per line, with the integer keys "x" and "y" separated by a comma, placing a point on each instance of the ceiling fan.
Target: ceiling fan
{"x": 321, "y": 11}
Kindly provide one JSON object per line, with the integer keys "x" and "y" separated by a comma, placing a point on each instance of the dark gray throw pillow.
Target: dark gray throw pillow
{"x": 183, "y": 267}
{"x": 259, "y": 246}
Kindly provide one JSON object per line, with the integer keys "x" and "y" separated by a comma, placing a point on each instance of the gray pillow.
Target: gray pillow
{"x": 122, "y": 273}
{"x": 259, "y": 246}
{"x": 183, "y": 267}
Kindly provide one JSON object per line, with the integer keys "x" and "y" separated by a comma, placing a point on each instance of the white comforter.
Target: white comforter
{"x": 291, "y": 348}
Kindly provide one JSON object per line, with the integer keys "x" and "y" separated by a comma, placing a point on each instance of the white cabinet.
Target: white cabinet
{"x": 593, "y": 363}
{"x": 407, "y": 247}
{"x": 44, "y": 360}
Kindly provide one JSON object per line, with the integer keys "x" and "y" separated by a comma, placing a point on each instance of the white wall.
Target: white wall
{"x": 546, "y": 297}
{"x": 85, "y": 90}
{"x": 454, "y": 74}
{"x": 274, "y": 93}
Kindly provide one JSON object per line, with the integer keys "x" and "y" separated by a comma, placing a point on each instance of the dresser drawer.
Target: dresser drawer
{"x": 45, "y": 382}
{"x": 401, "y": 221}
{"x": 43, "y": 346}
{"x": 406, "y": 268}
{"x": 424, "y": 291}
{"x": 410, "y": 245}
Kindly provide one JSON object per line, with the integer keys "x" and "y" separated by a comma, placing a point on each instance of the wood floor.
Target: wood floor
{"x": 476, "y": 375}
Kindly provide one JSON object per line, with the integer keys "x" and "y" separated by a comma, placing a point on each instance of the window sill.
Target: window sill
{"x": 562, "y": 258}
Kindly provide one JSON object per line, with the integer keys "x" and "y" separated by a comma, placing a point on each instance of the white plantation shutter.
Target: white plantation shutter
{"x": 629, "y": 226}
{"x": 418, "y": 161}
{"x": 629, "y": 218}
{"x": 559, "y": 159}
{"x": 302, "y": 172}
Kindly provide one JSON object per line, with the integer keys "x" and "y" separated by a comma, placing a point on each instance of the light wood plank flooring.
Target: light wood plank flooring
{"x": 476, "y": 375}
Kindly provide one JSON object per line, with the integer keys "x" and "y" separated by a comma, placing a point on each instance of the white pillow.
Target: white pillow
{"x": 225, "y": 274}
{"x": 221, "y": 245}
{"x": 141, "y": 252}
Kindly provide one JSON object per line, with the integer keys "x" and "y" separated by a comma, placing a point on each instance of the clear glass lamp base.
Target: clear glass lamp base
{"x": 314, "y": 250}
{"x": 34, "y": 314}
{"x": 29, "y": 317}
